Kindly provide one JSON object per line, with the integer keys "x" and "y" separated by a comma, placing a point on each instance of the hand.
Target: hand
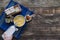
{"x": 7, "y": 37}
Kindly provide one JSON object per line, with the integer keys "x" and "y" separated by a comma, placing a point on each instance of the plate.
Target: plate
{"x": 19, "y": 20}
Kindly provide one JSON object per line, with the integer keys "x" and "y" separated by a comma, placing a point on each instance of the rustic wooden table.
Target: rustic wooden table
{"x": 41, "y": 27}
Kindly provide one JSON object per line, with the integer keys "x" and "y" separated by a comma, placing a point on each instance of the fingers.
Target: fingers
{"x": 8, "y": 37}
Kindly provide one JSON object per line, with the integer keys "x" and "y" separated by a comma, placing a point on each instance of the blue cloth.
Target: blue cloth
{"x": 4, "y": 26}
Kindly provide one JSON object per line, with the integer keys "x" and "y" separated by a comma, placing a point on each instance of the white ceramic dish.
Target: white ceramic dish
{"x": 19, "y": 20}
{"x": 28, "y": 18}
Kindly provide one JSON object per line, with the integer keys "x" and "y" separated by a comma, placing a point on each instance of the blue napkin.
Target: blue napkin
{"x": 4, "y": 26}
